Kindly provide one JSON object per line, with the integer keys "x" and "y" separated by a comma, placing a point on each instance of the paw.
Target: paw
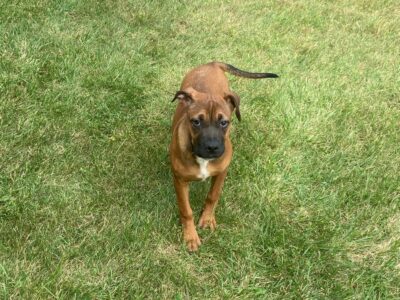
{"x": 207, "y": 220}
{"x": 192, "y": 239}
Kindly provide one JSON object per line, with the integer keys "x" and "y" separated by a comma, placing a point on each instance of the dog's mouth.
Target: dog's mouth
{"x": 207, "y": 154}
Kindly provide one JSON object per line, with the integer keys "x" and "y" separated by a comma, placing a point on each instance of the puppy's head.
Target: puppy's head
{"x": 208, "y": 120}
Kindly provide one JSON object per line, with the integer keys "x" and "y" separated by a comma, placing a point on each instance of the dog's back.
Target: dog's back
{"x": 209, "y": 78}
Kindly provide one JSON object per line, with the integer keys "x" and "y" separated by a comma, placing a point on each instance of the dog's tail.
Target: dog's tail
{"x": 235, "y": 71}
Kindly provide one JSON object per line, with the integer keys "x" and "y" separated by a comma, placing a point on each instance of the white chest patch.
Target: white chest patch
{"x": 204, "y": 174}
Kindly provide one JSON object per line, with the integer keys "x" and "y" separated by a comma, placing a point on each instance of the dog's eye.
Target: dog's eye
{"x": 196, "y": 123}
{"x": 224, "y": 123}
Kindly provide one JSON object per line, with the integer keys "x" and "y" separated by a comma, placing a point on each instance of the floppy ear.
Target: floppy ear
{"x": 234, "y": 100}
{"x": 183, "y": 96}
{"x": 188, "y": 95}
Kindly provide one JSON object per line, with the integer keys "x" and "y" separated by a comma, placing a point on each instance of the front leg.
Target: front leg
{"x": 189, "y": 229}
{"x": 207, "y": 218}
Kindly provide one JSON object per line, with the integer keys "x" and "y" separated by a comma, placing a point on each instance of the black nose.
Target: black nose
{"x": 212, "y": 146}
{"x": 212, "y": 149}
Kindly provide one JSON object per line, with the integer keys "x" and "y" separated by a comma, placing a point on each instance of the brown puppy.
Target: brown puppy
{"x": 200, "y": 146}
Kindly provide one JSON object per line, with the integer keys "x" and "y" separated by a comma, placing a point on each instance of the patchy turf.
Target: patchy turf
{"x": 310, "y": 208}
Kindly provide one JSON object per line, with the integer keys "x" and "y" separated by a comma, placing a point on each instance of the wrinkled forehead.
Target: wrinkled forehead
{"x": 210, "y": 110}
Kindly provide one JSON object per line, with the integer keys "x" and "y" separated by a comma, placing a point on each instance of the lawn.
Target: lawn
{"x": 311, "y": 205}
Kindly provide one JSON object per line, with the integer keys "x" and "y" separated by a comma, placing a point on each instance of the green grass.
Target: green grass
{"x": 310, "y": 208}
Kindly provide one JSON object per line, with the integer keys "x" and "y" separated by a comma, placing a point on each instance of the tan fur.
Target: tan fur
{"x": 209, "y": 87}
{"x": 211, "y": 98}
